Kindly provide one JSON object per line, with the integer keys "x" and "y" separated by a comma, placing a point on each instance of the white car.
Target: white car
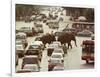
{"x": 58, "y": 56}
{"x": 39, "y": 43}
{"x": 59, "y": 50}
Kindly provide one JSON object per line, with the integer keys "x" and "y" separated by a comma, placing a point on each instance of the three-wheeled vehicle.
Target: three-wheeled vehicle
{"x": 88, "y": 50}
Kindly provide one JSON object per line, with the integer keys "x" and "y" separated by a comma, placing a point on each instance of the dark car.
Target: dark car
{"x": 34, "y": 50}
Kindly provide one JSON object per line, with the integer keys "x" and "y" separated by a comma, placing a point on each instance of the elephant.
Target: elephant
{"x": 67, "y": 38}
{"x": 47, "y": 38}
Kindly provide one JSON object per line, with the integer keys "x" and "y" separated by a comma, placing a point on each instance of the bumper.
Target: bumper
{"x": 89, "y": 58}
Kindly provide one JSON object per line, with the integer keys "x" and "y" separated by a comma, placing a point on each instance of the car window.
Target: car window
{"x": 56, "y": 56}
{"x": 55, "y": 61}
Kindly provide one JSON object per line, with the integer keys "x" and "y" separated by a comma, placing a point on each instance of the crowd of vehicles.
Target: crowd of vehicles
{"x": 31, "y": 54}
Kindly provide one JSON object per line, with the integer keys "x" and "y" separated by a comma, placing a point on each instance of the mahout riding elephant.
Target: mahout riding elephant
{"x": 67, "y": 38}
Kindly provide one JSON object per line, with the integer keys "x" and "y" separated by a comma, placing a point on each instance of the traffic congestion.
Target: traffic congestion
{"x": 52, "y": 39}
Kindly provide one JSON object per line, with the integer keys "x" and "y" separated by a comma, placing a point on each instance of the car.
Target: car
{"x": 51, "y": 48}
{"x": 52, "y": 63}
{"x": 30, "y": 59}
{"x": 38, "y": 38}
{"x": 38, "y": 18}
{"x": 30, "y": 31}
{"x": 54, "y": 24}
{"x": 39, "y": 27}
{"x": 39, "y": 43}
{"x": 34, "y": 52}
{"x": 59, "y": 50}
{"x": 36, "y": 45}
{"x": 34, "y": 49}
{"x": 21, "y": 38}
{"x": 19, "y": 42}
{"x": 85, "y": 33}
{"x": 57, "y": 56}
{"x": 59, "y": 67}
{"x": 20, "y": 50}
{"x": 73, "y": 30}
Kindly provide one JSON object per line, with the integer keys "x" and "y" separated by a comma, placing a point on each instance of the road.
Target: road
{"x": 72, "y": 59}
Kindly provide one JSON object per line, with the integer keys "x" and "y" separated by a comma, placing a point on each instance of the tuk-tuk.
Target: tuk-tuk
{"x": 88, "y": 51}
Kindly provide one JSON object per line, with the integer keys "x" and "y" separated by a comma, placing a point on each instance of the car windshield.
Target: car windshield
{"x": 30, "y": 61}
{"x": 55, "y": 61}
{"x": 57, "y": 51}
{"x": 56, "y": 56}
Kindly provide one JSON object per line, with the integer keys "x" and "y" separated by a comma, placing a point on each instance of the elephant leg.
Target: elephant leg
{"x": 75, "y": 43}
{"x": 69, "y": 44}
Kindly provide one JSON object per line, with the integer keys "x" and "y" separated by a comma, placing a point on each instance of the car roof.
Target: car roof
{"x": 56, "y": 53}
{"x": 21, "y": 33}
{"x": 36, "y": 42}
{"x": 30, "y": 56}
